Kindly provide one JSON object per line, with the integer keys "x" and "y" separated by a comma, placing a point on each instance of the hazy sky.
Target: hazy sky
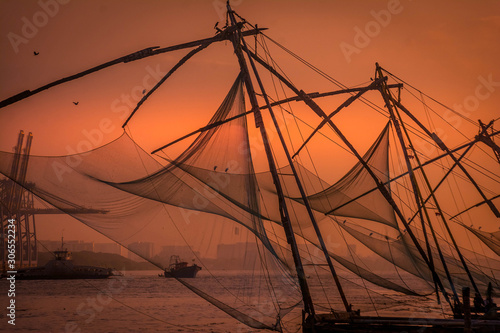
{"x": 446, "y": 48}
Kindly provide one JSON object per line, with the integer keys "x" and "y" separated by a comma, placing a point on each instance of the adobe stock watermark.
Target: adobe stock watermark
{"x": 31, "y": 26}
{"x": 94, "y": 137}
{"x": 92, "y": 306}
{"x": 262, "y": 311}
{"x": 469, "y": 105}
{"x": 330, "y": 243}
{"x": 363, "y": 36}
{"x": 220, "y": 180}
{"x": 211, "y": 188}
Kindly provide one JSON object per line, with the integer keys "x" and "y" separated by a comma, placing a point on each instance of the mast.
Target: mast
{"x": 486, "y": 138}
{"x": 398, "y": 124}
{"x": 381, "y": 187}
{"x": 483, "y": 130}
{"x": 285, "y": 217}
{"x": 324, "y": 249}
{"x": 445, "y": 148}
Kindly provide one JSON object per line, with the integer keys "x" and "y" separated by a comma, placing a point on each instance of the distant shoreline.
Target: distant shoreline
{"x": 108, "y": 260}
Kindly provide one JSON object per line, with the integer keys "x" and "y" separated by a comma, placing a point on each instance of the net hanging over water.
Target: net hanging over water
{"x": 136, "y": 198}
{"x": 197, "y": 199}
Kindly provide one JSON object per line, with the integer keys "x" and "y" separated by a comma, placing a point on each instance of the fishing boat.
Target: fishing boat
{"x": 62, "y": 268}
{"x": 180, "y": 269}
{"x": 375, "y": 247}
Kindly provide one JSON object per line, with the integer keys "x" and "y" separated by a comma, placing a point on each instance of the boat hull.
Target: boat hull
{"x": 185, "y": 272}
{"x": 63, "y": 270}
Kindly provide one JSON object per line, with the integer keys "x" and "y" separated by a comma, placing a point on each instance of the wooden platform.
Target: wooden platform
{"x": 365, "y": 324}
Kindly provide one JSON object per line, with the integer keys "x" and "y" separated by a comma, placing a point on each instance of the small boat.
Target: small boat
{"x": 62, "y": 267}
{"x": 180, "y": 269}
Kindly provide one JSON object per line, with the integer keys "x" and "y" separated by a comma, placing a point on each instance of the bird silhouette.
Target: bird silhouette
{"x": 76, "y": 103}
{"x": 36, "y": 53}
{"x": 144, "y": 91}
{"x": 217, "y": 28}
{"x": 371, "y": 233}
{"x": 226, "y": 169}
{"x": 215, "y": 167}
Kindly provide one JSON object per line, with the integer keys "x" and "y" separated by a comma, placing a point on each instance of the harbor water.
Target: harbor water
{"x": 137, "y": 301}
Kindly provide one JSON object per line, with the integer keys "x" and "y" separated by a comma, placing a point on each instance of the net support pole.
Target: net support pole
{"x": 147, "y": 52}
{"x": 445, "y": 223}
{"x": 398, "y": 125}
{"x": 443, "y": 147}
{"x": 432, "y": 160}
{"x": 324, "y": 249}
{"x": 285, "y": 217}
{"x": 383, "y": 190}
{"x": 486, "y": 138}
{"x": 164, "y": 78}
{"x": 440, "y": 212}
{"x": 346, "y": 103}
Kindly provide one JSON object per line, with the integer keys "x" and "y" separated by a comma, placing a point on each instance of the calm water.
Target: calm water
{"x": 141, "y": 301}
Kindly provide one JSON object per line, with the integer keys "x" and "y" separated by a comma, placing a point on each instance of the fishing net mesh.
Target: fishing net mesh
{"x": 200, "y": 198}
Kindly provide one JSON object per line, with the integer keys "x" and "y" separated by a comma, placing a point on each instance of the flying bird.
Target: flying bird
{"x": 36, "y": 53}
{"x": 76, "y": 103}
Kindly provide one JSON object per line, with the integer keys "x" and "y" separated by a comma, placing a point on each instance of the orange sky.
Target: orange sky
{"x": 445, "y": 48}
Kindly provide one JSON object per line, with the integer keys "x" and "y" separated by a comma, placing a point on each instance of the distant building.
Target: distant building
{"x": 240, "y": 255}
{"x": 76, "y": 246}
{"x": 145, "y": 249}
{"x": 114, "y": 248}
{"x": 71, "y": 245}
{"x": 236, "y": 251}
{"x": 182, "y": 251}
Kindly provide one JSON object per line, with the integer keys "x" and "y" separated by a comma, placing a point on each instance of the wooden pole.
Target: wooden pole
{"x": 466, "y": 308}
{"x": 147, "y": 52}
{"x": 398, "y": 124}
{"x": 445, "y": 223}
{"x": 285, "y": 217}
{"x": 443, "y": 147}
{"x": 381, "y": 187}
{"x": 299, "y": 184}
